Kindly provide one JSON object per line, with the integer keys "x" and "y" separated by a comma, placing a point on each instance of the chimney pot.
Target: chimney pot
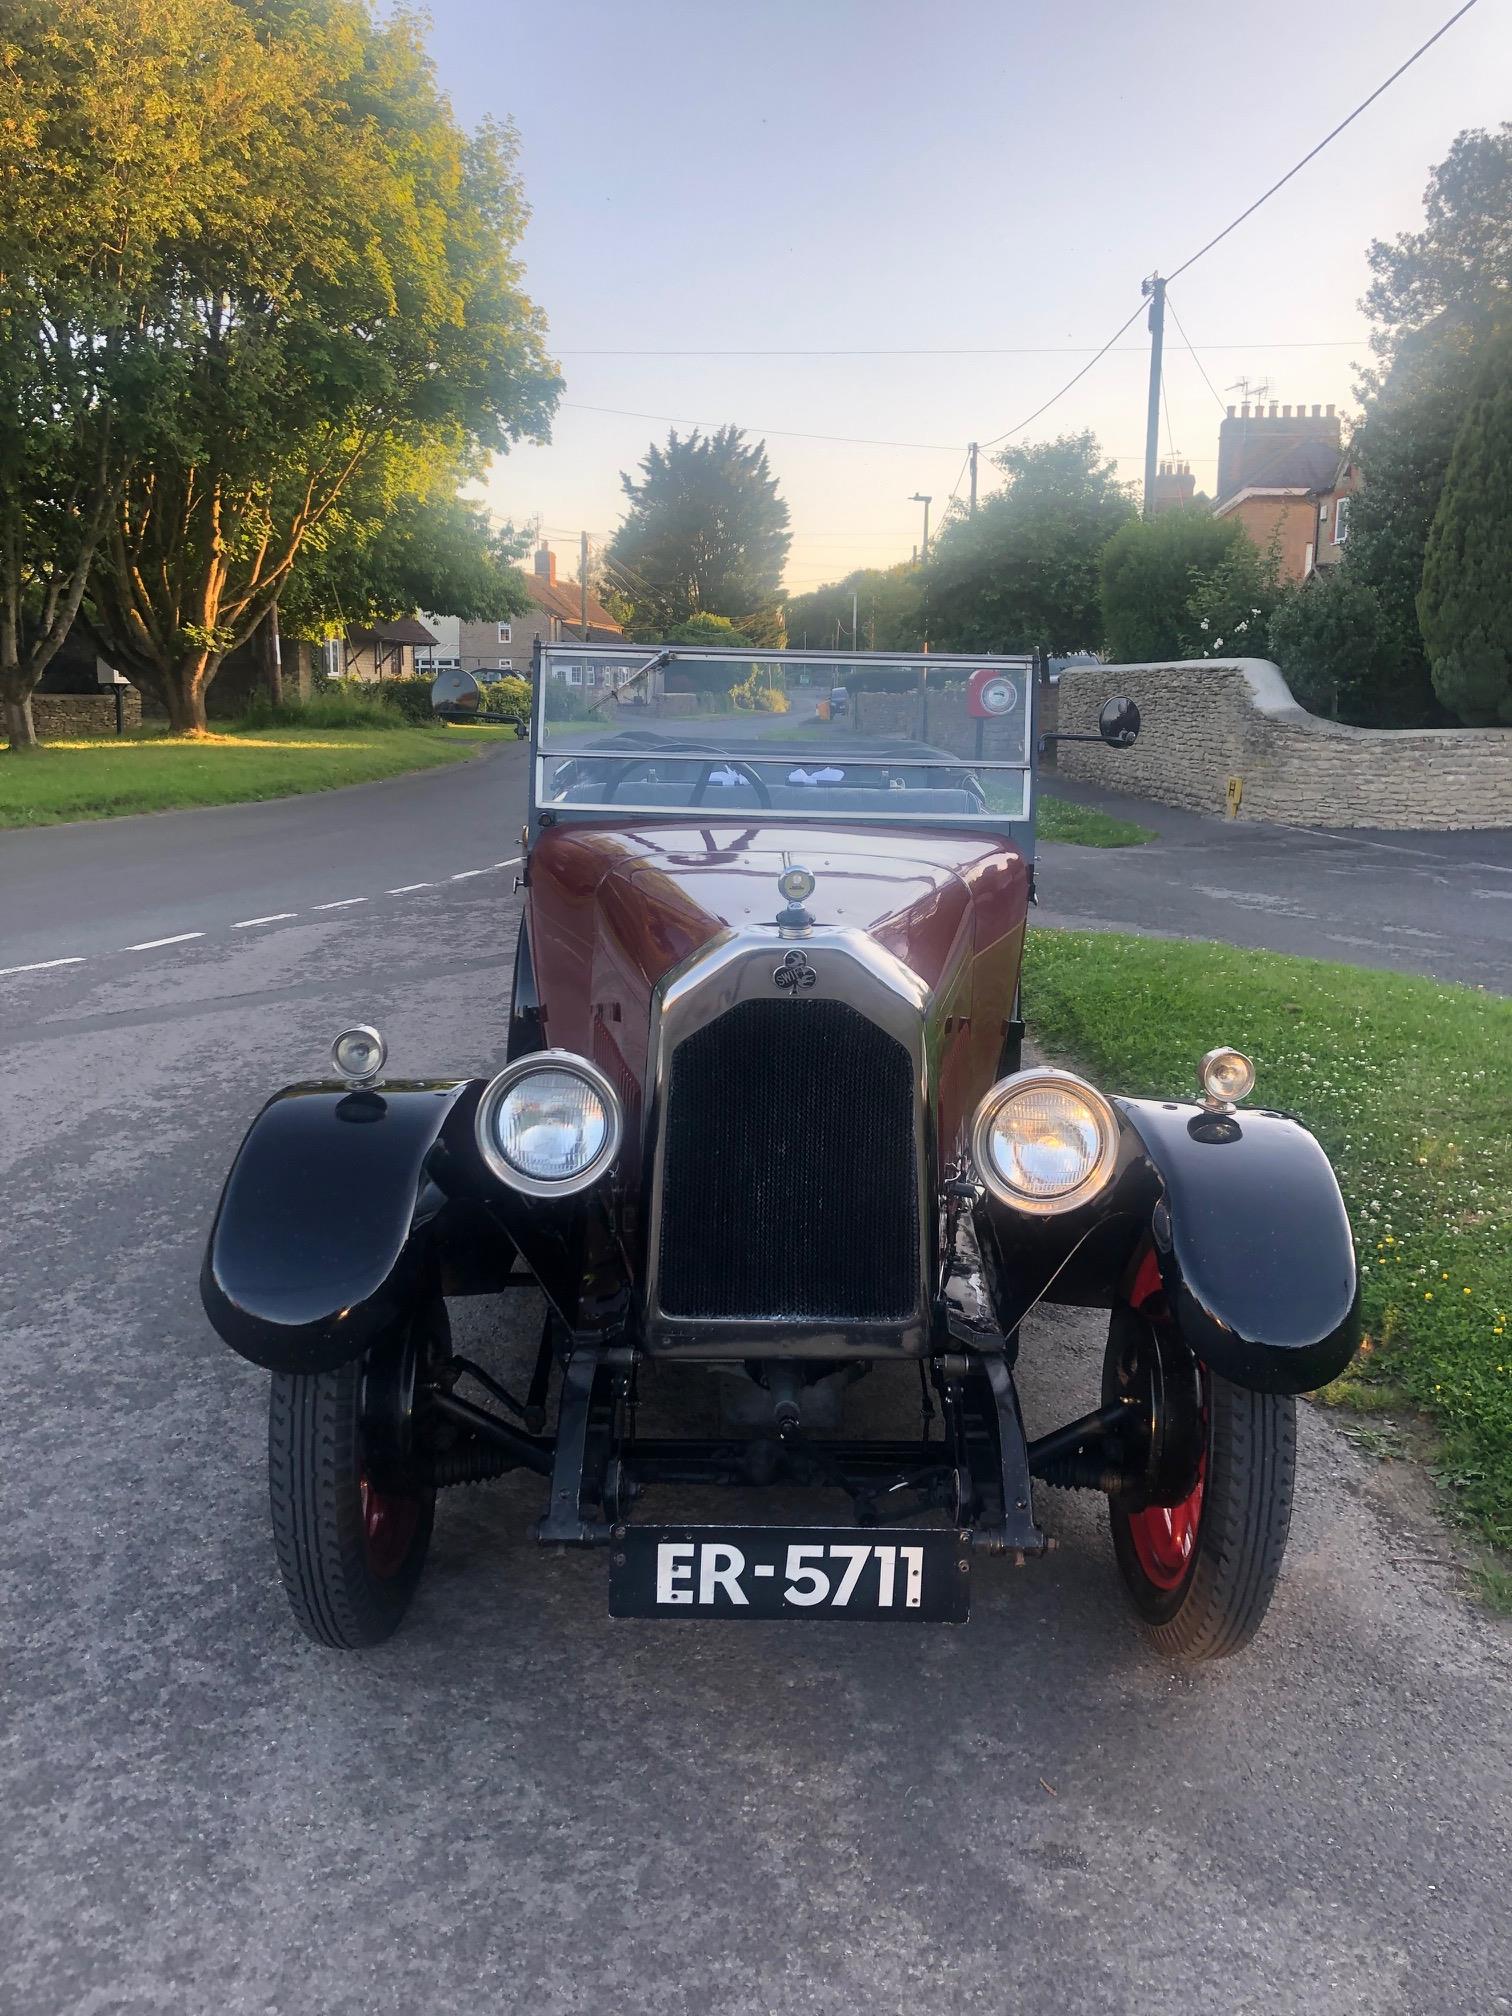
{"x": 1273, "y": 409}
{"x": 1330, "y": 413}
{"x": 1244, "y": 412}
{"x": 1286, "y": 412}
{"x": 1231, "y": 412}
{"x": 1317, "y": 412}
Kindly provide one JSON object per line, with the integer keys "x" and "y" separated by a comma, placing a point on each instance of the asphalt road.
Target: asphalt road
{"x": 518, "y": 1803}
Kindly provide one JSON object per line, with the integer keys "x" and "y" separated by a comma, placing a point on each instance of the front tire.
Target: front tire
{"x": 1200, "y": 1548}
{"x": 350, "y": 1531}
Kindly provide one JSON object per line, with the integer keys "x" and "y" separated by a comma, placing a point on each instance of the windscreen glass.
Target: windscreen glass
{"x": 924, "y": 738}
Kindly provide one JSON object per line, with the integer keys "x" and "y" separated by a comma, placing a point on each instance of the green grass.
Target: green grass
{"x": 1083, "y": 826}
{"x": 149, "y": 771}
{"x": 1408, "y": 1085}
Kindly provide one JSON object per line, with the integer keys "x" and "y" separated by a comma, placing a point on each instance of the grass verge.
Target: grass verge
{"x": 1408, "y": 1085}
{"x": 1084, "y": 826}
{"x": 152, "y": 772}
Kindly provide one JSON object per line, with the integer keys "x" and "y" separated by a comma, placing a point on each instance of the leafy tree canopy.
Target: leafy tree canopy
{"x": 889, "y": 606}
{"x": 1150, "y": 568}
{"x": 1025, "y": 570}
{"x": 402, "y": 539}
{"x": 705, "y": 533}
{"x": 329, "y": 270}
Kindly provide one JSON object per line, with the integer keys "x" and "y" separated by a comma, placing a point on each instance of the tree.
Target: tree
{"x": 1228, "y": 610}
{"x": 403, "y": 538}
{"x": 342, "y": 278}
{"x": 1341, "y": 653}
{"x": 889, "y": 606}
{"x": 705, "y": 534}
{"x": 1465, "y": 605}
{"x": 1150, "y": 568}
{"x": 1441, "y": 297}
{"x": 79, "y": 245}
{"x": 1024, "y": 571}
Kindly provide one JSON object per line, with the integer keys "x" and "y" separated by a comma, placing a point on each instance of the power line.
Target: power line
{"x": 1314, "y": 152}
{"x": 1190, "y": 351}
{"x": 1007, "y": 431}
{"x": 1041, "y": 350}
{"x": 788, "y": 433}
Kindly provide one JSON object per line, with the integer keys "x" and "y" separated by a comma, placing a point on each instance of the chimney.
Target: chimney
{"x": 1330, "y": 413}
{"x": 1317, "y": 413}
{"x": 1285, "y": 412}
{"x": 1273, "y": 409}
{"x": 545, "y": 565}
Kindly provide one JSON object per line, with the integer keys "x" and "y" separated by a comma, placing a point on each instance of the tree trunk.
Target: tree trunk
{"x": 272, "y": 656}
{"x": 19, "y": 725}
{"x": 184, "y": 690}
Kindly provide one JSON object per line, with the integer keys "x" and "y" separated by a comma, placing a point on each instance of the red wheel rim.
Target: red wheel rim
{"x": 1165, "y": 1536}
{"x": 388, "y": 1529}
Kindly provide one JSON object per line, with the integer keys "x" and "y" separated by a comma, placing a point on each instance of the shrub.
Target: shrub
{"x": 1342, "y": 654}
{"x": 1228, "y": 609}
{"x": 334, "y": 708}
{"x": 509, "y": 697}
{"x": 1150, "y": 569}
{"x": 756, "y": 693}
{"x": 410, "y": 698}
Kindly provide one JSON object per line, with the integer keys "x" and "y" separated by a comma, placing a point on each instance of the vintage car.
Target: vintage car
{"x": 764, "y": 1113}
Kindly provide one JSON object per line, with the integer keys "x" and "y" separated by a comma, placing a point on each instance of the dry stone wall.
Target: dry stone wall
{"x": 1206, "y": 725}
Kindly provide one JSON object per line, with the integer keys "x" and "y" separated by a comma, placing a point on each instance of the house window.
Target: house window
{"x": 505, "y": 633}
{"x": 1341, "y": 521}
{"x": 593, "y": 675}
{"x": 574, "y": 674}
{"x": 506, "y": 664}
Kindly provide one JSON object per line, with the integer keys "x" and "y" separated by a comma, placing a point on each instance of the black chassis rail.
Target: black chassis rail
{"x": 979, "y": 1471}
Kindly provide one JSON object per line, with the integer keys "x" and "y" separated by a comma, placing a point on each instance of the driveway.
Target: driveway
{"x": 1438, "y": 903}
{"x": 518, "y": 1803}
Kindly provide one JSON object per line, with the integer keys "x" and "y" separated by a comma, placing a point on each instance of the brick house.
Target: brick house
{"x": 1286, "y": 470}
{"x": 505, "y": 647}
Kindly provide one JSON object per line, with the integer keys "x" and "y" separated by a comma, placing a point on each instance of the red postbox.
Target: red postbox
{"x": 990, "y": 693}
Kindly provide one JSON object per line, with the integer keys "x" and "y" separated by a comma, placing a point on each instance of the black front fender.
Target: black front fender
{"x": 319, "y": 1243}
{"x": 1254, "y": 1247}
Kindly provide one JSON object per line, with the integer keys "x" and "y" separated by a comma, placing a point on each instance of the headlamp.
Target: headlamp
{"x": 1044, "y": 1141}
{"x": 550, "y": 1124}
{"x": 1227, "y": 1076}
{"x": 359, "y": 1054}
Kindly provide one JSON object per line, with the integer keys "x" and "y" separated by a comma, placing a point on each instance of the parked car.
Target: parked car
{"x": 763, "y": 1112}
{"x": 839, "y": 703}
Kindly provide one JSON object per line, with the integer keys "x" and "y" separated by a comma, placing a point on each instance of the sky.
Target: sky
{"x": 888, "y": 176}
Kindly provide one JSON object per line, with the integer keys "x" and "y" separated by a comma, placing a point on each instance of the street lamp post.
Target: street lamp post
{"x": 918, "y": 497}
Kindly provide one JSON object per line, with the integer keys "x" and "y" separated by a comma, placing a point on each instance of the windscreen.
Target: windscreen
{"x": 852, "y": 736}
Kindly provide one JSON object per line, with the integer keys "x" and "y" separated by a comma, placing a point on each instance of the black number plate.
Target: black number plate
{"x": 840, "y": 1573}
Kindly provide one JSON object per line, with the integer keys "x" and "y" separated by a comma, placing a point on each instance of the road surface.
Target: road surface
{"x": 518, "y": 1804}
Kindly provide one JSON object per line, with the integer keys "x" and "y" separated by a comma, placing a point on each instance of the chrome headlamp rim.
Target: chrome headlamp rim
{"x": 496, "y": 1090}
{"x": 367, "y": 1033}
{"x": 1218, "y": 1094}
{"x": 1092, "y": 1184}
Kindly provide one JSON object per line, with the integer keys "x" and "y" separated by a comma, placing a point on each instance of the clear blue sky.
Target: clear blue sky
{"x": 877, "y": 174}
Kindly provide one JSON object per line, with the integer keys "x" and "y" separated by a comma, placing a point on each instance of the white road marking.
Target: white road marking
{"x": 510, "y": 864}
{"x": 38, "y": 966}
{"x": 345, "y": 903}
{"x": 466, "y": 874}
{"x": 278, "y": 917}
{"x": 152, "y": 944}
{"x": 407, "y": 887}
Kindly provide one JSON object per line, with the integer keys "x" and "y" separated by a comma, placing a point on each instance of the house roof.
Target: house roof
{"x": 404, "y": 630}
{"x": 564, "y": 600}
{"x": 1264, "y": 490}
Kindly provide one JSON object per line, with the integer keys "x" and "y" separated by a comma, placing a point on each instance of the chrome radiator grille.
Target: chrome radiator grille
{"x": 789, "y": 1183}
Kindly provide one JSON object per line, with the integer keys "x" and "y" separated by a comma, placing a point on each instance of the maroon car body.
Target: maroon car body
{"x": 763, "y": 1112}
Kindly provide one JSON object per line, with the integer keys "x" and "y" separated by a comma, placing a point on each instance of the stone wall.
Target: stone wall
{"x": 61, "y": 717}
{"x": 1206, "y": 724}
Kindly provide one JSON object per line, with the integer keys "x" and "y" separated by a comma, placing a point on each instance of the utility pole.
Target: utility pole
{"x": 1154, "y": 288}
{"x": 918, "y": 497}
{"x": 583, "y": 580}
{"x": 855, "y": 633}
{"x": 973, "y": 479}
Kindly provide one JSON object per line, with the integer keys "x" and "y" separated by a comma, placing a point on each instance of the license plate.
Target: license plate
{"x": 840, "y": 1573}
